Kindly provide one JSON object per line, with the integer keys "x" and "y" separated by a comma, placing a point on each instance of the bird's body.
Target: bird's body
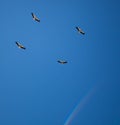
{"x": 34, "y": 17}
{"x": 80, "y": 30}
{"x": 62, "y": 62}
{"x": 20, "y": 46}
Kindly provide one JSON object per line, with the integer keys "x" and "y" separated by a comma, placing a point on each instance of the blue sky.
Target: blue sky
{"x": 34, "y": 88}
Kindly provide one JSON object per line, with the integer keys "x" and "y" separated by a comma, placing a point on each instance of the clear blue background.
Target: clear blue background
{"x": 34, "y": 88}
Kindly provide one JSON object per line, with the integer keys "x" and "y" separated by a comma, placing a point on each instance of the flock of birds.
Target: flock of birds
{"x": 35, "y": 18}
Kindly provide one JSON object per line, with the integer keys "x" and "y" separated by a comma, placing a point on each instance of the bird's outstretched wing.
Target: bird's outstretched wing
{"x": 19, "y": 45}
{"x": 62, "y": 62}
{"x": 35, "y": 18}
{"x": 80, "y": 30}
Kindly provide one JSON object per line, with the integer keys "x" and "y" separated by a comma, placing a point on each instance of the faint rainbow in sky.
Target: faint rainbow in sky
{"x": 78, "y": 107}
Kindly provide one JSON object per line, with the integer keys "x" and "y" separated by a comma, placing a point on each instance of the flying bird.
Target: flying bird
{"x": 20, "y": 46}
{"x": 62, "y": 62}
{"x": 34, "y": 17}
{"x": 80, "y": 30}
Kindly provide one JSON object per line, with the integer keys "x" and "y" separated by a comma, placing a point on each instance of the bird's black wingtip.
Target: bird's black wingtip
{"x": 77, "y": 28}
{"x": 32, "y": 14}
{"x": 83, "y": 33}
{"x": 16, "y": 42}
{"x": 38, "y": 20}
